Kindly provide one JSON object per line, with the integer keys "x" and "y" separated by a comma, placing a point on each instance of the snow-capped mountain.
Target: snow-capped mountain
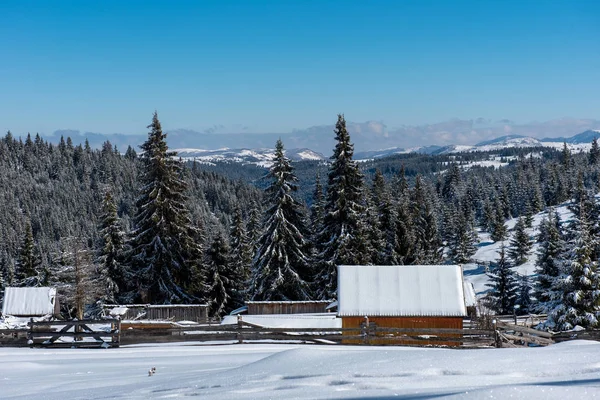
{"x": 261, "y": 157}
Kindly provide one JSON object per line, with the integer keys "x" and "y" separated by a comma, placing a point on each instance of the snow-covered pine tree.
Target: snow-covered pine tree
{"x": 549, "y": 259}
{"x": 499, "y": 230}
{"x": 524, "y": 290}
{"x": 241, "y": 251}
{"x": 163, "y": 250}
{"x": 503, "y": 294}
{"x": 222, "y": 279}
{"x": 341, "y": 237}
{"x": 317, "y": 207}
{"x": 281, "y": 267}
{"x": 463, "y": 239}
{"x": 254, "y": 227}
{"x": 594, "y": 156}
{"x": 386, "y": 223}
{"x": 428, "y": 248}
{"x": 114, "y": 276}
{"x": 576, "y": 291}
{"x": 27, "y": 269}
{"x": 520, "y": 243}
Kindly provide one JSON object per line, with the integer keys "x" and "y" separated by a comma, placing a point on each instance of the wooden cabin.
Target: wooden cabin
{"x": 287, "y": 307}
{"x": 30, "y": 302}
{"x": 401, "y": 296}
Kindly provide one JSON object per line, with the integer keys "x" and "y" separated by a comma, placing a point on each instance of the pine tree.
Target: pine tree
{"x": 28, "y": 263}
{"x": 317, "y": 207}
{"x": 164, "y": 252}
{"x": 341, "y": 236}
{"x": 282, "y": 264}
{"x": 223, "y": 293}
{"x": 499, "y": 230}
{"x": 523, "y": 300}
{"x": 428, "y": 246}
{"x": 241, "y": 251}
{"x": 111, "y": 254}
{"x": 463, "y": 239}
{"x": 594, "y": 156}
{"x": 576, "y": 292}
{"x": 503, "y": 294}
{"x": 549, "y": 261}
{"x": 520, "y": 244}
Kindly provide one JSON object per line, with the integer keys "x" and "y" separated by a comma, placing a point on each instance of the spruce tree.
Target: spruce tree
{"x": 222, "y": 279}
{"x": 241, "y": 251}
{"x": 28, "y": 263}
{"x": 282, "y": 264}
{"x": 503, "y": 294}
{"x": 463, "y": 239}
{"x": 428, "y": 247}
{"x": 594, "y": 156}
{"x": 576, "y": 291}
{"x": 520, "y": 244}
{"x": 524, "y": 300}
{"x": 341, "y": 238}
{"x": 549, "y": 259}
{"x": 111, "y": 255}
{"x": 164, "y": 252}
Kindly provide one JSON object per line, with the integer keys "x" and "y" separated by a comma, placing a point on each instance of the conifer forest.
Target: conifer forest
{"x": 124, "y": 226}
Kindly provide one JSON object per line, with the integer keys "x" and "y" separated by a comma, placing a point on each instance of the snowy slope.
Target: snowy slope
{"x": 487, "y": 252}
{"x": 268, "y": 371}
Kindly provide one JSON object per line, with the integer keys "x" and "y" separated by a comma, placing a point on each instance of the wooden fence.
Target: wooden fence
{"x": 75, "y": 333}
{"x": 108, "y": 334}
{"x": 371, "y": 334}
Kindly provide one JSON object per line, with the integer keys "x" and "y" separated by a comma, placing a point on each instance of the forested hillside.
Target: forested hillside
{"x": 147, "y": 228}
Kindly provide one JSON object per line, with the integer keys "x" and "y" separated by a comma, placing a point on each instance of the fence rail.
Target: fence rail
{"x": 108, "y": 333}
{"x": 83, "y": 333}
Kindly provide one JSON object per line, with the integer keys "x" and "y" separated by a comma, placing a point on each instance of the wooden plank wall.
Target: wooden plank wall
{"x": 192, "y": 312}
{"x": 405, "y": 322}
{"x": 309, "y": 307}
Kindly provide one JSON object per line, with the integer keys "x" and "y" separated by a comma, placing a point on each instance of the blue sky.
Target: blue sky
{"x": 272, "y": 66}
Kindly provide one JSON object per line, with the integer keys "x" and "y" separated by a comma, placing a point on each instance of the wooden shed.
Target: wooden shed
{"x": 30, "y": 302}
{"x": 413, "y": 296}
{"x": 287, "y": 307}
{"x": 159, "y": 312}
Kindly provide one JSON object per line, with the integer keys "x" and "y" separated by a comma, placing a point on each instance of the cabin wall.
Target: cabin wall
{"x": 311, "y": 307}
{"x": 404, "y": 322}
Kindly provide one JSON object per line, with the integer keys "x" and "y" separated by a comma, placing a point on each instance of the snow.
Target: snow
{"x": 487, "y": 252}
{"x": 401, "y": 290}
{"x": 262, "y": 371}
{"x": 29, "y": 301}
{"x": 324, "y": 320}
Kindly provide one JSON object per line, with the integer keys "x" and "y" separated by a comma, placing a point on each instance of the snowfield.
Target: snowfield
{"x": 275, "y": 371}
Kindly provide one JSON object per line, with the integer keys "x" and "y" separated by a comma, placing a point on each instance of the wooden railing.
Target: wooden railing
{"x": 83, "y": 333}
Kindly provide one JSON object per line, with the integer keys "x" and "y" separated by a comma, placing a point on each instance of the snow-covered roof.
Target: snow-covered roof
{"x": 290, "y": 302}
{"x": 470, "y": 297}
{"x": 401, "y": 290}
{"x": 323, "y": 320}
{"x": 29, "y": 301}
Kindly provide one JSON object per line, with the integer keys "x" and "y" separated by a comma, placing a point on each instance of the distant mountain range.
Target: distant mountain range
{"x": 370, "y": 136}
{"x": 371, "y": 139}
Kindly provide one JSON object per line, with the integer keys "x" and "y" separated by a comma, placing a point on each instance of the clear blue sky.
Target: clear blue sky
{"x": 105, "y": 66}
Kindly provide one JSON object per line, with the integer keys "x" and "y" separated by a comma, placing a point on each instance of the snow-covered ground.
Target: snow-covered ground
{"x": 269, "y": 371}
{"x": 487, "y": 252}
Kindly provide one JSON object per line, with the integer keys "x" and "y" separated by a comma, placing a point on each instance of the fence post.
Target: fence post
{"x": 365, "y": 330}
{"x": 497, "y": 338}
{"x": 240, "y": 325}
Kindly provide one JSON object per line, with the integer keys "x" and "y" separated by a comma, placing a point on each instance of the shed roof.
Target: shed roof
{"x": 470, "y": 296}
{"x": 401, "y": 290}
{"x": 29, "y": 301}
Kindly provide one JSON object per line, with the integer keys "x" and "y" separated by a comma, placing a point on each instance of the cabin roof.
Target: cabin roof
{"x": 401, "y": 290}
{"x": 29, "y": 301}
